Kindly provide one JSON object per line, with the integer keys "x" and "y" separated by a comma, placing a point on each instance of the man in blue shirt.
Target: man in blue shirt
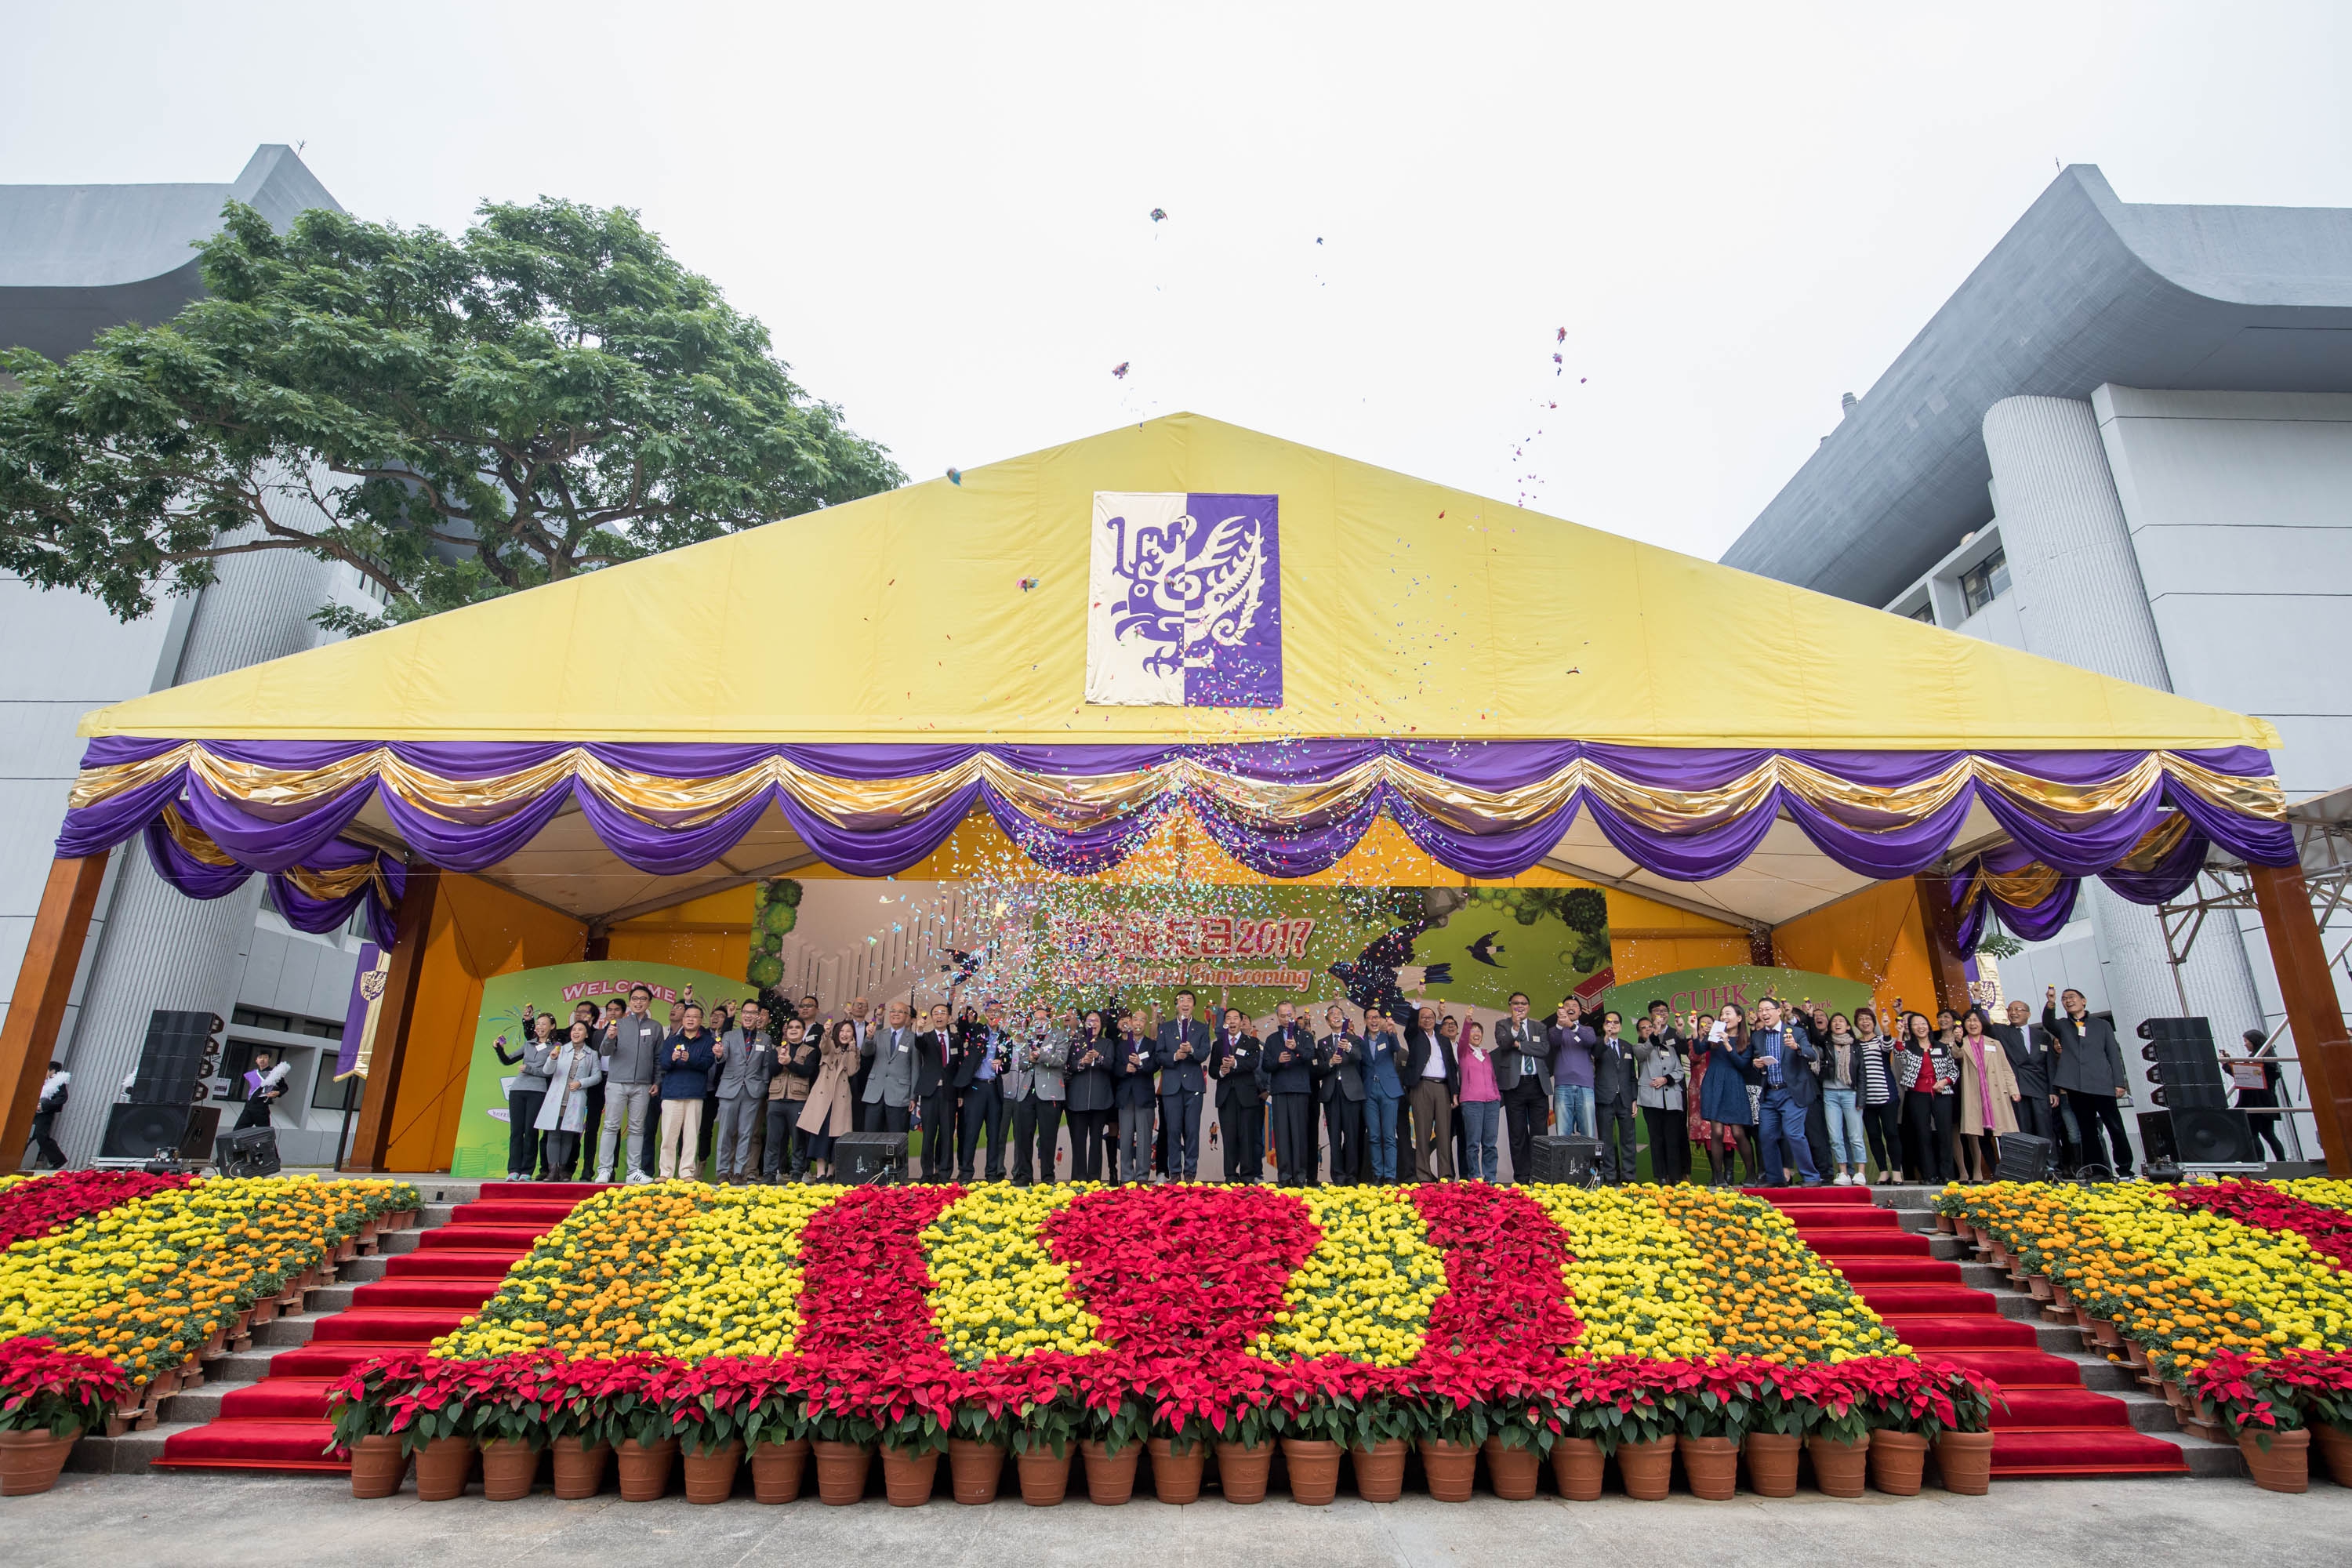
{"x": 685, "y": 1064}
{"x": 1782, "y": 1048}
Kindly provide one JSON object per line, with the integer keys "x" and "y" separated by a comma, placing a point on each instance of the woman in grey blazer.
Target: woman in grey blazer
{"x": 1658, "y": 1091}
{"x": 526, "y": 1092}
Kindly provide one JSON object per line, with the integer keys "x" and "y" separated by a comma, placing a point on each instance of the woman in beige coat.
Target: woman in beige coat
{"x": 829, "y": 1112}
{"x": 1988, "y": 1096}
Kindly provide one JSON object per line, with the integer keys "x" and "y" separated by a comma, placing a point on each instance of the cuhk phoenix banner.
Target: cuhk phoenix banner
{"x": 1185, "y": 601}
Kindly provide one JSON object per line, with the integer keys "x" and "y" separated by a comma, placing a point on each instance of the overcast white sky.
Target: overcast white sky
{"x": 942, "y": 214}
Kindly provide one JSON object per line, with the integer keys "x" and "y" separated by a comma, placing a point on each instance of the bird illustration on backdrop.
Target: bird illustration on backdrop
{"x": 1485, "y": 951}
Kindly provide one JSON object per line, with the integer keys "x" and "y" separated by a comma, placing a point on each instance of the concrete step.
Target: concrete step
{"x": 245, "y": 1366}
{"x": 196, "y": 1405}
{"x": 360, "y": 1271}
{"x": 125, "y": 1456}
{"x": 329, "y": 1299}
{"x": 281, "y": 1333}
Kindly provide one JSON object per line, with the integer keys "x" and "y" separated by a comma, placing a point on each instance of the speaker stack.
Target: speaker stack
{"x": 165, "y": 1111}
{"x": 2202, "y": 1129}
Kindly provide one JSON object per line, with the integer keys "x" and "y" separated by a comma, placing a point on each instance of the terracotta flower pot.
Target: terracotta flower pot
{"x": 2335, "y": 1446}
{"x": 776, "y": 1470}
{"x": 2060, "y": 1298}
{"x": 1965, "y": 1461}
{"x": 442, "y": 1467}
{"x": 1241, "y": 1472}
{"x": 509, "y": 1468}
{"x": 1176, "y": 1478}
{"x": 1513, "y": 1471}
{"x": 1452, "y": 1469}
{"x": 1577, "y": 1467}
{"x": 1314, "y": 1468}
{"x": 841, "y": 1472}
{"x": 1944, "y": 1223}
{"x": 710, "y": 1474}
{"x": 1044, "y": 1477}
{"x": 1712, "y": 1466}
{"x": 1897, "y": 1461}
{"x": 2284, "y": 1467}
{"x": 1772, "y": 1463}
{"x": 261, "y": 1311}
{"x": 31, "y": 1461}
{"x": 1110, "y": 1476}
{"x": 2136, "y": 1352}
{"x": 2039, "y": 1285}
{"x": 975, "y": 1469}
{"x": 644, "y": 1468}
{"x": 1646, "y": 1467}
{"x": 1380, "y": 1470}
{"x": 1839, "y": 1468}
{"x": 578, "y": 1466}
{"x": 908, "y": 1478}
{"x": 2106, "y": 1333}
{"x": 378, "y": 1466}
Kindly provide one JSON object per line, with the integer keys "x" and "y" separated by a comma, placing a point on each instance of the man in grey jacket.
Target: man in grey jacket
{"x": 746, "y": 1062}
{"x": 2087, "y": 1067}
{"x": 1035, "y": 1086}
{"x": 890, "y": 1057}
{"x": 632, "y": 1052}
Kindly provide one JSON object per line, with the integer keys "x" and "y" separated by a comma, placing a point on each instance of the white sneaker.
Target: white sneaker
{"x": 1842, "y": 1180}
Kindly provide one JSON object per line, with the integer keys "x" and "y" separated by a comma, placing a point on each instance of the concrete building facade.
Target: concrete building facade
{"x": 74, "y": 260}
{"x": 2125, "y": 443}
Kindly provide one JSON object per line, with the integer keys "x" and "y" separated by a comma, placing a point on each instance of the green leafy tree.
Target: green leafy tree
{"x": 548, "y": 393}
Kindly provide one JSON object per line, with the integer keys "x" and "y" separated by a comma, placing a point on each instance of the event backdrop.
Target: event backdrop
{"x": 1253, "y": 947}
{"x": 1705, "y": 991}
{"x": 508, "y": 1000}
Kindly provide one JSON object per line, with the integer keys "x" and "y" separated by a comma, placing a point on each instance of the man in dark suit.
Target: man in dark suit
{"x": 984, "y": 1052}
{"x": 2028, "y": 1062}
{"x": 1241, "y": 1105}
{"x": 1523, "y": 1073}
{"x": 1433, "y": 1088}
{"x": 1339, "y": 1062}
{"x": 1782, "y": 1048}
{"x": 1182, "y": 1050}
{"x": 1290, "y": 1065}
{"x": 935, "y": 1095}
{"x": 1616, "y": 1080}
{"x": 2087, "y": 1067}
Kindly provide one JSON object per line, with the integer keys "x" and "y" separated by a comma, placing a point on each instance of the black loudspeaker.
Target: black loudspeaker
{"x": 2023, "y": 1158}
{"x": 179, "y": 1054}
{"x": 142, "y": 1131}
{"x": 2156, "y": 1138}
{"x": 251, "y": 1152}
{"x": 1568, "y": 1161}
{"x": 2213, "y": 1135}
{"x": 2181, "y": 1060}
{"x": 860, "y": 1158}
{"x": 203, "y": 1128}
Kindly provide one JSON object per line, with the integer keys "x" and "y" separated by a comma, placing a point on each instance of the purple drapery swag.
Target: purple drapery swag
{"x": 200, "y": 879}
{"x": 1455, "y": 831}
{"x": 2166, "y": 878}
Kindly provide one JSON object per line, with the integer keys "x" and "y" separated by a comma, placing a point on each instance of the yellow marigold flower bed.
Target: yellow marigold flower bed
{"x": 995, "y": 1290}
{"x": 734, "y": 1276}
{"x": 591, "y": 1285}
{"x": 2328, "y": 1192}
{"x": 1365, "y": 1290}
{"x": 146, "y": 1283}
{"x": 1768, "y": 1295}
{"x": 1633, "y": 1272}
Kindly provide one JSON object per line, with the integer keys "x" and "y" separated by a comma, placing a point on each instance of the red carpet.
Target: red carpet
{"x": 2052, "y": 1425}
{"x": 280, "y": 1423}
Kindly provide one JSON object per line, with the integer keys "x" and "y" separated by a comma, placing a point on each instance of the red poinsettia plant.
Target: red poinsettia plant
{"x": 360, "y": 1402}
{"x": 45, "y": 1389}
{"x": 2266, "y": 1207}
{"x": 2294, "y": 1389}
{"x": 44, "y": 1204}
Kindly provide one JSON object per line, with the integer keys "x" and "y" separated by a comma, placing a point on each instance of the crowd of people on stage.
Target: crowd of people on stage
{"x": 1782, "y": 1092}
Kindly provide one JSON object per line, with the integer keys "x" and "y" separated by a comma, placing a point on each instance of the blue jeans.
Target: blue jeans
{"x": 1571, "y": 1109}
{"x": 1480, "y": 1119}
{"x": 1846, "y": 1143}
{"x": 1784, "y": 1119}
{"x": 1381, "y": 1133}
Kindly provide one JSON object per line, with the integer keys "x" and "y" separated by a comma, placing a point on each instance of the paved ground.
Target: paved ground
{"x": 187, "y": 1520}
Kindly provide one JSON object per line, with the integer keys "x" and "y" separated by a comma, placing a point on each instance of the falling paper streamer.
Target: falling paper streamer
{"x": 1118, "y": 370}
{"x": 955, "y": 477}
{"x": 1159, "y": 214}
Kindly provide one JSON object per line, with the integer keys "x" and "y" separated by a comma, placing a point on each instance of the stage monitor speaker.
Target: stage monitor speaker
{"x": 137, "y": 1131}
{"x": 1566, "y": 1161}
{"x": 2023, "y": 1158}
{"x": 204, "y": 1130}
{"x": 2156, "y": 1138}
{"x": 179, "y": 1053}
{"x": 2209, "y": 1135}
{"x": 253, "y": 1151}
{"x": 2181, "y": 1058}
{"x": 860, "y": 1158}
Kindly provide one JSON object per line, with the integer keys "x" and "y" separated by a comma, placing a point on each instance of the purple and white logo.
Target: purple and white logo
{"x": 1185, "y": 601}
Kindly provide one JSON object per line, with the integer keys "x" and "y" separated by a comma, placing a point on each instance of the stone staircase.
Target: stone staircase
{"x": 193, "y": 1408}
{"x": 2148, "y": 1411}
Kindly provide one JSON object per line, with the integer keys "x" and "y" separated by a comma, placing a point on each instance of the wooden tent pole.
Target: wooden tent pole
{"x": 44, "y": 984}
{"x": 412, "y": 926}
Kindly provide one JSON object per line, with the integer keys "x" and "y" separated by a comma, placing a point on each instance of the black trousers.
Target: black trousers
{"x": 1343, "y": 1125}
{"x": 522, "y": 1138}
{"x": 984, "y": 1112}
{"x": 1669, "y": 1144}
{"x": 1524, "y": 1111}
{"x": 588, "y": 1135}
{"x": 45, "y": 1140}
{"x": 938, "y": 1108}
{"x": 1180, "y": 1130}
{"x": 2093, "y": 1112}
{"x": 1405, "y": 1141}
{"x": 1089, "y": 1136}
{"x": 1927, "y": 1136}
{"x": 1881, "y": 1125}
{"x": 782, "y": 1139}
{"x": 878, "y": 1118}
{"x": 1243, "y": 1130}
{"x": 1613, "y": 1119}
{"x": 1037, "y": 1124}
{"x": 1817, "y": 1135}
{"x": 1293, "y": 1139}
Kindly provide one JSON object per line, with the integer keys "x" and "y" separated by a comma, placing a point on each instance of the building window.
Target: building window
{"x": 1985, "y": 581}
{"x": 1925, "y": 612}
{"x": 326, "y": 1094}
{"x": 287, "y": 1024}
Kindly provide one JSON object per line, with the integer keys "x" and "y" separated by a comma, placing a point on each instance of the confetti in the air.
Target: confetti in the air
{"x": 1158, "y": 214}
{"x": 955, "y": 475}
{"x": 1027, "y": 583}
{"x": 1118, "y": 370}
